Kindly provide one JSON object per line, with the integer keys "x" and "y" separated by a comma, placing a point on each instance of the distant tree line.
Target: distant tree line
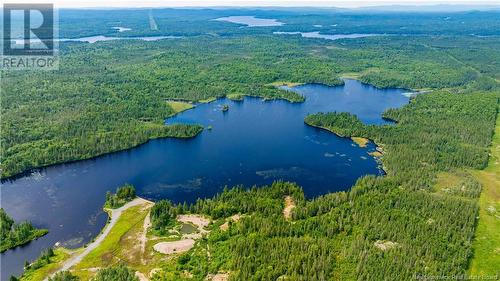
{"x": 115, "y": 100}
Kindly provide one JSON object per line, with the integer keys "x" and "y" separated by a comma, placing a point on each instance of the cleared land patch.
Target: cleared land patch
{"x": 200, "y": 221}
{"x": 233, "y": 218}
{"x": 236, "y": 97}
{"x": 174, "y": 247}
{"x": 361, "y": 142}
{"x": 446, "y": 180}
{"x": 285, "y": 83}
{"x": 385, "y": 245}
{"x": 121, "y": 244}
{"x": 487, "y": 239}
{"x": 221, "y": 276}
{"x": 179, "y": 106}
{"x": 376, "y": 154}
{"x": 289, "y": 206}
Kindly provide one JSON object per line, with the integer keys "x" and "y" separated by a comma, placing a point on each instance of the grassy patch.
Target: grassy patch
{"x": 179, "y": 106}
{"x": 376, "y": 154}
{"x": 487, "y": 241}
{"x": 350, "y": 75}
{"x": 125, "y": 243}
{"x": 361, "y": 142}
{"x": 39, "y": 274}
{"x": 208, "y": 100}
{"x": 284, "y": 83}
{"x": 109, "y": 251}
{"x": 447, "y": 180}
{"x": 236, "y": 97}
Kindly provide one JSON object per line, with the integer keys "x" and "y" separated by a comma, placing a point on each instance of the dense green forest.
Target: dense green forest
{"x": 106, "y": 97}
{"x": 116, "y": 273}
{"x": 194, "y": 22}
{"x": 64, "y": 276}
{"x": 109, "y": 96}
{"x": 16, "y": 234}
{"x": 395, "y": 227}
{"x": 163, "y": 215}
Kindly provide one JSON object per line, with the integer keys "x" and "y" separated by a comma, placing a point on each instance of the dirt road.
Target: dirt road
{"x": 115, "y": 215}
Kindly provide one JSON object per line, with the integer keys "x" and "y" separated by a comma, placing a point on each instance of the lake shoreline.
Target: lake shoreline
{"x": 38, "y": 168}
{"x": 377, "y": 154}
{"x": 74, "y": 256}
{"x": 37, "y": 233}
{"x": 186, "y": 169}
{"x": 278, "y": 84}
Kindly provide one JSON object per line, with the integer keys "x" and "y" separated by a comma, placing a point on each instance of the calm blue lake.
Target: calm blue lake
{"x": 253, "y": 143}
{"x": 317, "y": 34}
{"x": 251, "y": 21}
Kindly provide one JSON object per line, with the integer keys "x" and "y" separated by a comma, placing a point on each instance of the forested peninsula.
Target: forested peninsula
{"x": 16, "y": 234}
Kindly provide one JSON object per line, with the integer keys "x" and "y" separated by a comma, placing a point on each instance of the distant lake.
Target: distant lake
{"x": 98, "y": 38}
{"x": 316, "y": 34}
{"x": 254, "y": 143}
{"x": 93, "y": 39}
{"x": 251, "y": 21}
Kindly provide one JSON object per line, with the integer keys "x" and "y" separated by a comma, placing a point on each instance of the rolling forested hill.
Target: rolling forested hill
{"x": 113, "y": 93}
{"x": 418, "y": 221}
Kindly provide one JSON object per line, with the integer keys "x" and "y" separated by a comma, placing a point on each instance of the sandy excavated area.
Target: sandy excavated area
{"x": 224, "y": 226}
{"x": 188, "y": 240}
{"x": 221, "y": 276}
{"x": 173, "y": 247}
{"x": 197, "y": 220}
{"x": 289, "y": 206}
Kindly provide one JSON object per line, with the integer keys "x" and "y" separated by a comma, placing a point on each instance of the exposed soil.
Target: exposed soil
{"x": 289, "y": 206}
{"x": 142, "y": 238}
{"x": 385, "y": 245}
{"x": 173, "y": 247}
{"x": 234, "y": 218}
{"x": 197, "y": 220}
{"x": 221, "y": 276}
{"x": 141, "y": 276}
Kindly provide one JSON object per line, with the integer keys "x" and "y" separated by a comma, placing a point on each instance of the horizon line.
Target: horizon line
{"x": 319, "y": 4}
{"x": 466, "y": 7}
